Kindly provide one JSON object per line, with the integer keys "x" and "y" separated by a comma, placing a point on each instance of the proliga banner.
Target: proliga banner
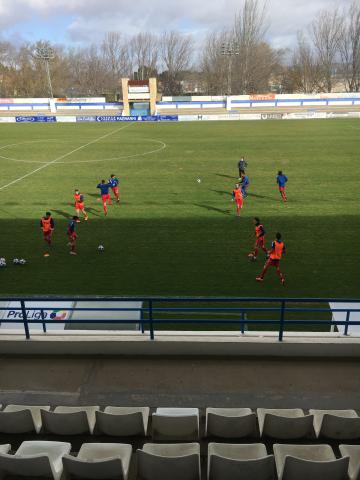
{"x": 36, "y": 119}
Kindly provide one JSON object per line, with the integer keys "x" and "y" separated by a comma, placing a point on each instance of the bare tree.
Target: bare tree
{"x": 326, "y": 31}
{"x": 213, "y": 63}
{"x": 117, "y": 61}
{"x": 350, "y": 48}
{"x": 176, "y": 53}
{"x": 145, "y": 51}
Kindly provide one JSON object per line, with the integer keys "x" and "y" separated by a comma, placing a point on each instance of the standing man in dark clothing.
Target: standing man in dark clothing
{"x": 242, "y": 164}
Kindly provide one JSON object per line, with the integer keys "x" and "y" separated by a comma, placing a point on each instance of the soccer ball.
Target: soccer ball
{"x": 251, "y": 257}
{"x": 16, "y": 261}
{"x": 22, "y": 261}
{"x": 101, "y": 248}
{"x": 199, "y": 180}
{"x": 2, "y": 262}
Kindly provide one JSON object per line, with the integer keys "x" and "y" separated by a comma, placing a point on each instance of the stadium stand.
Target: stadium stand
{"x": 175, "y": 424}
{"x": 336, "y": 424}
{"x": 69, "y": 420}
{"x": 21, "y": 418}
{"x": 122, "y": 421}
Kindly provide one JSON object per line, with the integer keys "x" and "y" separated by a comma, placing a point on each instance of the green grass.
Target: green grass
{"x": 171, "y": 235}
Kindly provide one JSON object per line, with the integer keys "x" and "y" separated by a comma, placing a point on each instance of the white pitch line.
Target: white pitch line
{"x": 64, "y": 156}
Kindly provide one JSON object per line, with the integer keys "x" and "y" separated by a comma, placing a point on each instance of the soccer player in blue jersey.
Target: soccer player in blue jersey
{"x": 105, "y": 195}
{"x": 114, "y": 182}
{"x": 281, "y": 180}
{"x": 71, "y": 233}
{"x": 244, "y": 183}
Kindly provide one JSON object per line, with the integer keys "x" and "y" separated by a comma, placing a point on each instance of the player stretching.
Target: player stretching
{"x": 47, "y": 226}
{"x": 114, "y": 182}
{"x": 80, "y": 205}
{"x": 276, "y": 253}
{"x": 238, "y": 198}
{"x": 105, "y": 195}
{"x": 72, "y": 236}
{"x": 260, "y": 239}
{"x": 244, "y": 183}
{"x": 281, "y": 180}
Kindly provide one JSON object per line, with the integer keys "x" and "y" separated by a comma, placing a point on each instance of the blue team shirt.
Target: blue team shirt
{"x": 245, "y": 181}
{"x": 71, "y": 226}
{"x": 281, "y": 180}
{"x": 114, "y": 182}
{"x": 104, "y": 188}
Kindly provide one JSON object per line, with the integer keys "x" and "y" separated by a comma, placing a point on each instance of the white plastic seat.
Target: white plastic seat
{"x": 35, "y": 459}
{"x": 122, "y": 421}
{"x": 309, "y": 462}
{"x": 336, "y": 424}
{"x": 353, "y": 452}
{"x": 169, "y": 461}
{"x": 230, "y": 422}
{"x": 5, "y": 448}
{"x": 240, "y": 462}
{"x": 69, "y": 420}
{"x": 21, "y": 418}
{"x": 181, "y": 424}
{"x": 284, "y": 424}
{"x": 99, "y": 461}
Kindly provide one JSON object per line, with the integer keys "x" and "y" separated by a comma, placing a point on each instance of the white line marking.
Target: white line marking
{"x": 149, "y": 152}
{"x": 64, "y": 156}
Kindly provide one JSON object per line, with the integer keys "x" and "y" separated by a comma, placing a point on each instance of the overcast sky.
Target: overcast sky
{"x": 82, "y": 21}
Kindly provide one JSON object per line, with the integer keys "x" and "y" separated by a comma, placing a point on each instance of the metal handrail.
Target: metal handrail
{"x": 151, "y": 307}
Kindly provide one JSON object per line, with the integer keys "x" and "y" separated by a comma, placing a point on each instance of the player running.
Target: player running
{"x": 80, "y": 205}
{"x": 244, "y": 183}
{"x": 104, "y": 189}
{"x": 276, "y": 253}
{"x": 237, "y": 197}
{"x": 260, "y": 239}
{"x": 281, "y": 180}
{"x": 47, "y": 226}
{"x": 114, "y": 182}
{"x": 71, "y": 233}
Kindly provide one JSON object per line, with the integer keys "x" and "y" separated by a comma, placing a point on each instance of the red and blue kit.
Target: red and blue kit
{"x": 114, "y": 182}
{"x": 71, "y": 233}
{"x": 281, "y": 181}
{"x": 79, "y": 201}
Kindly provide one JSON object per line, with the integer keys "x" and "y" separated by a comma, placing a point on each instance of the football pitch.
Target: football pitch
{"x": 171, "y": 235}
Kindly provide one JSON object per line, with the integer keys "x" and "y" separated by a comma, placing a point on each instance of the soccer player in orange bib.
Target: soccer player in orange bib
{"x": 260, "y": 239}
{"x": 276, "y": 253}
{"x": 238, "y": 198}
{"x": 47, "y": 226}
{"x": 80, "y": 205}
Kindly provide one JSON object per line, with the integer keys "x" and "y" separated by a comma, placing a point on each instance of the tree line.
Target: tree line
{"x": 236, "y": 60}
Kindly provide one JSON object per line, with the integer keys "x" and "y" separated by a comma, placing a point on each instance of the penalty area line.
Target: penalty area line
{"x": 65, "y": 155}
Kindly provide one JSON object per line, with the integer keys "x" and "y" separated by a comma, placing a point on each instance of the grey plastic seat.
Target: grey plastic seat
{"x": 99, "y": 461}
{"x": 240, "y": 462}
{"x": 122, "y": 421}
{"x": 35, "y": 459}
{"x": 169, "y": 461}
{"x": 284, "y": 424}
{"x": 69, "y": 420}
{"x": 309, "y": 462}
{"x": 181, "y": 424}
{"x": 352, "y": 451}
{"x": 230, "y": 422}
{"x": 336, "y": 424}
{"x": 21, "y": 418}
{"x": 5, "y": 448}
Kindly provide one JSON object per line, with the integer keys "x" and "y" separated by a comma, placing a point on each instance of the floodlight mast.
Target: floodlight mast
{"x": 229, "y": 49}
{"x": 46, "y": 53}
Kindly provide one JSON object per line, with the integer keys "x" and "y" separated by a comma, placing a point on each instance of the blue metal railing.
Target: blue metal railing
{"x": 152, "y": 309}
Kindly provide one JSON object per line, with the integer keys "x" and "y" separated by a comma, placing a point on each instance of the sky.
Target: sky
{"x": 79, "y": 22}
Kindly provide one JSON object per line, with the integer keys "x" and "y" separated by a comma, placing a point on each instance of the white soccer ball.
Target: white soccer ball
{"x": 22, "y": 261}
{"x": 199, "y": 180}
{"x": 101, "y": 248}
{"x": 2, "y": 262}
{"x": 16, "y": 261}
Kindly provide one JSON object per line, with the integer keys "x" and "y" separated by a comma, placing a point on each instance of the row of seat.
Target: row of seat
{"x": 181, "y": 424}
{"x": 180, "y": 461}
